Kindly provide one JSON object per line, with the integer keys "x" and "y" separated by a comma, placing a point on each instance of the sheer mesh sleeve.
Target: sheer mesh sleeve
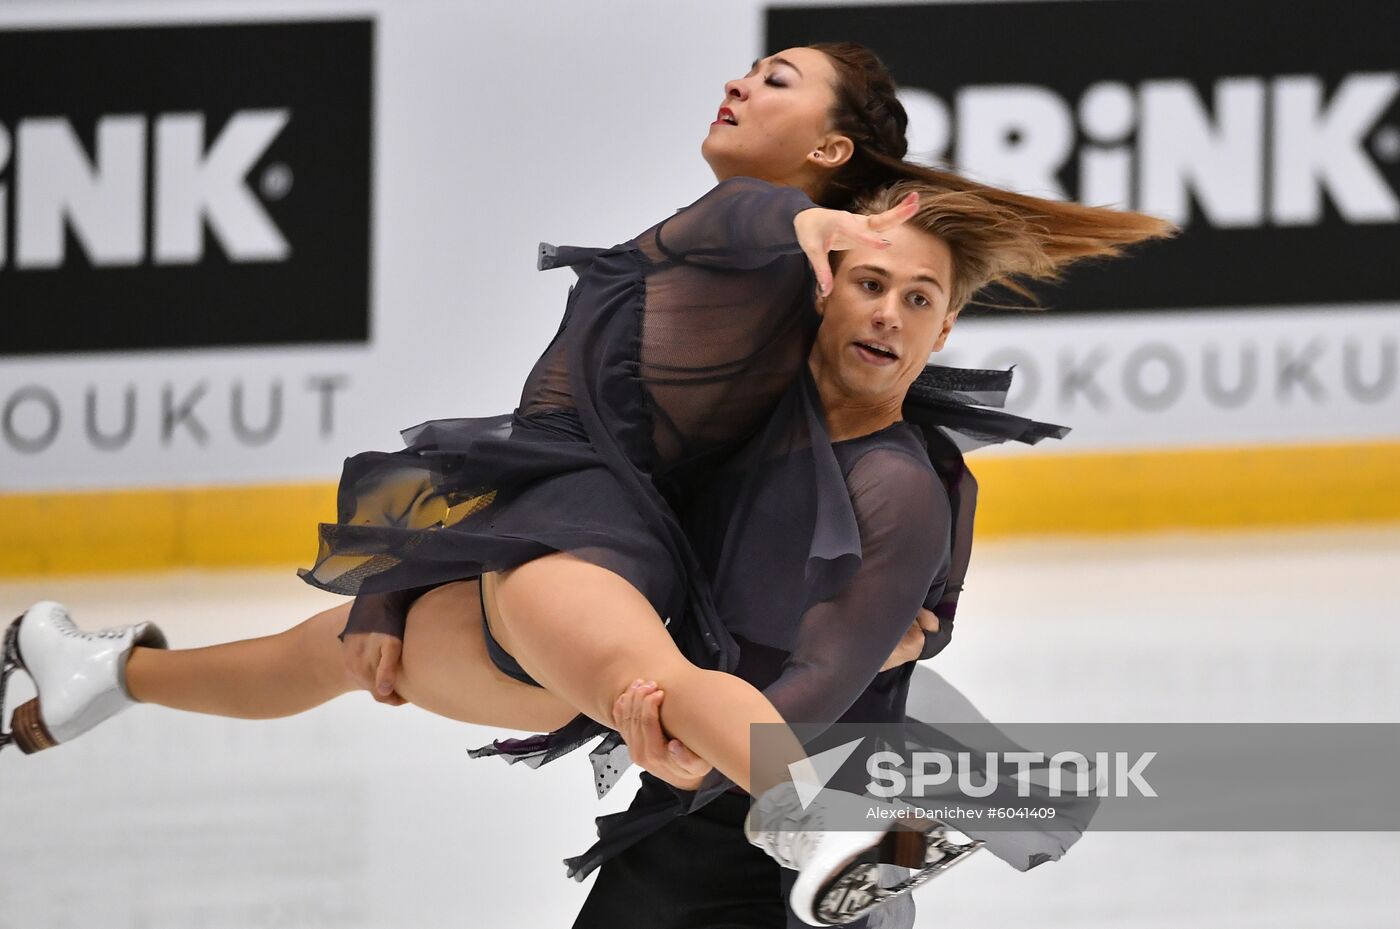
{"x": 743, "y": 222}
{"x": 935, "y": 642}
{"x": 961, "y": 487}
{"x": 903, "y": 514}
{"x": 727, "y": 323}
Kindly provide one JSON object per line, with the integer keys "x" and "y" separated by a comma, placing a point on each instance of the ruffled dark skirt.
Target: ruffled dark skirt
{"x": 468, "y": 496}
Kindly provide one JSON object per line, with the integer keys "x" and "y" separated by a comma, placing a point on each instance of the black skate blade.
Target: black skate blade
{"x": 10, "y": 659}
{"x": 9, "y": 664}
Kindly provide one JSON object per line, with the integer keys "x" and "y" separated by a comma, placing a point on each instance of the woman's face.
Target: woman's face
{"x": 774, "y": 118}
{"x": 886, "y": 313}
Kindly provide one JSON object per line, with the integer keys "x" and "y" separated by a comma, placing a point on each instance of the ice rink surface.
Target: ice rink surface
{"x": 360, "y": 815}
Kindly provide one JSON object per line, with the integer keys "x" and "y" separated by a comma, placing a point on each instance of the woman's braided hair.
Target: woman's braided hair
{"x": 868, "y": 111}
{"x": 1052, "y": 233}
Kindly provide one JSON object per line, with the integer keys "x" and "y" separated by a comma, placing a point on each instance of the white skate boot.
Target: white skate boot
{"x": 838, "y": 880}
{"x": 80, "y": 676}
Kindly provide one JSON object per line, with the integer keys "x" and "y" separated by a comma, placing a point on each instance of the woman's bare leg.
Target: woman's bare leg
{"x": 580, "y": 630}
{"x": 586, "y": 634}
{"x": 445, "y": 670}
{"x": 263, "y": 678}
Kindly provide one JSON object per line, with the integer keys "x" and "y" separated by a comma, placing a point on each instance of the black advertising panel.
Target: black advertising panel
{"x": 1269, "y": 131}
{"x": 185, "y": 186}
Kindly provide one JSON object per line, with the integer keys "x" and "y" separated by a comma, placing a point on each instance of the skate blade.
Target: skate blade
{"x": 856, "y": 890}
{"x": 27, "y": 729}
{"x": 9, "y": 664}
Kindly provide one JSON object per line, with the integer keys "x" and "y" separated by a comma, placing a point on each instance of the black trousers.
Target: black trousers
{"x": 697, "y": 873}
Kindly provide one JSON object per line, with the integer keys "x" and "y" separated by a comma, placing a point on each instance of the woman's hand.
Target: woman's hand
{"x": 821, "y": 231}
{"x": 911, "y": 646}
{"x": 636, "y": 716}
{"x": 372, "y": 661}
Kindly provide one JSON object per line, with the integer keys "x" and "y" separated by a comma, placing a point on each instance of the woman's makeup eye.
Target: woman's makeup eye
{"x": 774, "y": 83}
{"x": 869, "y": 281}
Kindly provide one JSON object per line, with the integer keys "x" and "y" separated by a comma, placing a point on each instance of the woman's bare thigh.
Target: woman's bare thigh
{"x": 446, "y": 669}
{"x": 583, "y": 631}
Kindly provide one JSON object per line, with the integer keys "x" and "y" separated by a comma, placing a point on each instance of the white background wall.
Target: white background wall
{"x": 498, "y": 125}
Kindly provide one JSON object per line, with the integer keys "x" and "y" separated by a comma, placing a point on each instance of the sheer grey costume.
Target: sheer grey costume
{"x": 817, "y": 581}
{"x": 673, "y": 348}
{"x": 663, "y": 379}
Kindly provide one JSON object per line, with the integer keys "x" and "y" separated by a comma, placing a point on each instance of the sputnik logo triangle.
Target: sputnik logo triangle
{"x": 811, "y": 774}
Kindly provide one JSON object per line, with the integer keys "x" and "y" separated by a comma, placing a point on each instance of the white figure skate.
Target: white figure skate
{"x": 80, "y": 676}
{"x": 838, "y": 871}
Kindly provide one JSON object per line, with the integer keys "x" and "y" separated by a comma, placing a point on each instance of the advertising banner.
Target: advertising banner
{"x": 165, "y": 195}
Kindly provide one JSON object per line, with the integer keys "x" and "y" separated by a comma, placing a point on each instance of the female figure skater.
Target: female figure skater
{"x": 674, "y": 347}
{"x": 894, "y": 497}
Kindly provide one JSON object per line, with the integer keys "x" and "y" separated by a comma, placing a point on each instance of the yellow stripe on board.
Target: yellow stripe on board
{"x": 275, "y": 524}
{"x": 139, "y": 530}
{"x": 1143, "y": 491}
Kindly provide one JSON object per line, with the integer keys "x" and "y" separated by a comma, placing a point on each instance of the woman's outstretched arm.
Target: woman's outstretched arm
{"x": 740, "y": 223}
{"x": 745, "y": 223}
